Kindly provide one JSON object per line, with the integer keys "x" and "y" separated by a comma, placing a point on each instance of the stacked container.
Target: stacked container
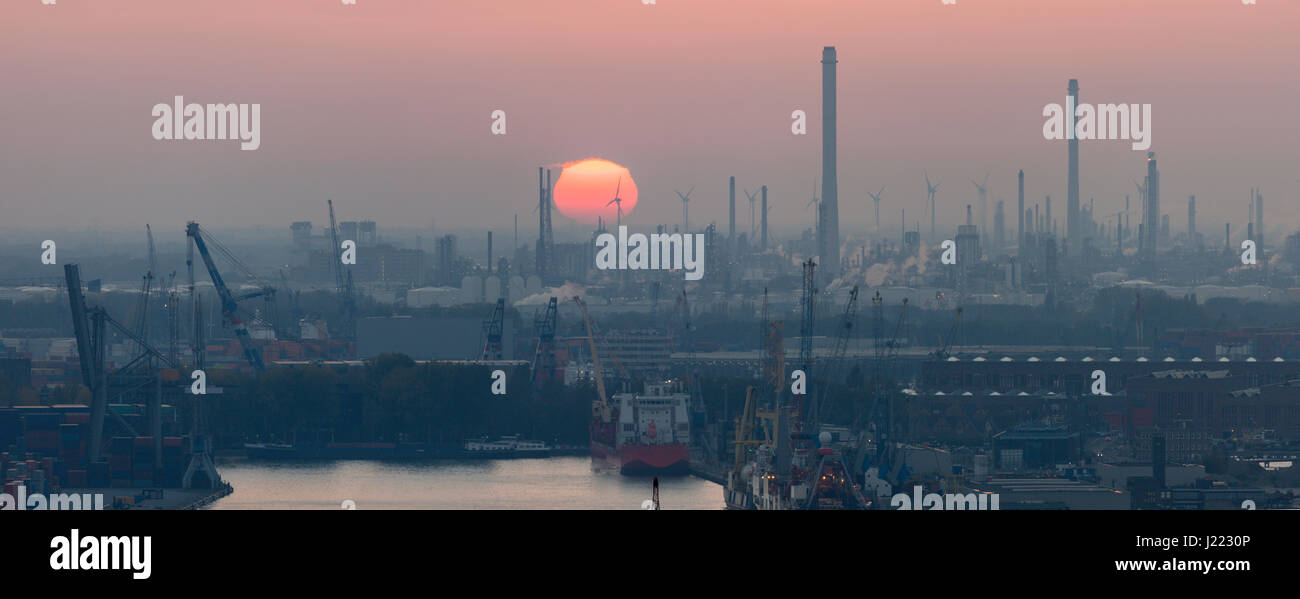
{"x": 119, "y": 464}
{"x": 175, "y": 460}
{"x": 42, "y": 432}
{"x": 142, "y": 473}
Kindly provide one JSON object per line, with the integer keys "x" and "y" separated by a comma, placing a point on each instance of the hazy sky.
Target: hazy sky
{"x": 384, "y": 106}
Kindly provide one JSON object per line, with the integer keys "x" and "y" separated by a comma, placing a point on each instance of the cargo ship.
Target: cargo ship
{"x": 637, "y": 433}
{"x": 507, "y": 447}
{"x": 643, "y": 433}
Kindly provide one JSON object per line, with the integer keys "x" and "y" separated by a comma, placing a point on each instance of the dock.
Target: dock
{"x": 709, "y": 472}
{"x": 156, "y": 499}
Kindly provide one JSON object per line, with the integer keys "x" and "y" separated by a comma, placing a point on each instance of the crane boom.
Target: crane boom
{"x": 337, "y": 269}
{"x": 342, "y": 283}
{"x": 603, "y": 408}
{"x": 229, "y": 305}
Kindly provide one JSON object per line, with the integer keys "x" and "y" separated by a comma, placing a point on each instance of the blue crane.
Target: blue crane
{"x": 229, "y": 303}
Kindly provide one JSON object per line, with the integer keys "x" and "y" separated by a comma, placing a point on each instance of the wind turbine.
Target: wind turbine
{"x": 930, "y": 189}
{"x": 984, "y": 204}
{"x": 752, "y": 198}
{"x": 618, "y": 201}
{"x": 686, "y": 198}
{"x": 876, "y": 197}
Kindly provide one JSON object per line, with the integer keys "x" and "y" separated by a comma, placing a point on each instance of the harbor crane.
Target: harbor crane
{"x": 229, "y": 302}
{"x": 342, "y": 283}
{"x": 601, "y": 410}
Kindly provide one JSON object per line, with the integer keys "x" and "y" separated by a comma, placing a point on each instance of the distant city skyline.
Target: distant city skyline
{"x": 384, "y": 107}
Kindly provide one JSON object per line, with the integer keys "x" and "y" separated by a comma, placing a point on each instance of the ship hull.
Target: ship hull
{"x": 655, "y": 459}
{"x": 642, "y": 459}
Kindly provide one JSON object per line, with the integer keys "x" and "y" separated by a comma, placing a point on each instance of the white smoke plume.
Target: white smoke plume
{"x": 565, "y": 292}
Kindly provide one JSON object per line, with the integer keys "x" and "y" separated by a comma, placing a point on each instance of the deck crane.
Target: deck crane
{"x": 229, "y": 303}
{"x": 342, "y": 283}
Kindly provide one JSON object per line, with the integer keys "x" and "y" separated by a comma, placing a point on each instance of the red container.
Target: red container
{"x": 77, "y": 418}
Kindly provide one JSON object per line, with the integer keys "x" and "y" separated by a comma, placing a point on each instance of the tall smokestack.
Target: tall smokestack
{"x": 1191, "y": 218}
{"x": 829, "y": 223}
{"x": 489, "y": 252}
{"x": 1048, "y": 225}
{"x": 1259, "y": 220}
{"x": 763, "y": 243}
{"x": 1020, "y": 214}
{"x": 541, "y": 224}
{"x": 1152, "y": 209}
{"x": 1073, "y": 227}
{"x": 999, "y": 230}
{"x": 731, "y": 210}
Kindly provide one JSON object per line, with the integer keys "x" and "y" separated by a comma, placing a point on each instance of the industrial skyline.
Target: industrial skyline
{"x": 419, "y": 148}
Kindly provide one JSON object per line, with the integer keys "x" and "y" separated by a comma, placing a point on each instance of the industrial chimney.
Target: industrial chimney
{"x": 828, "y": 224}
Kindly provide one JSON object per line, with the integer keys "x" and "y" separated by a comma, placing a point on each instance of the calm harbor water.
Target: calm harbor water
{"x": 530, "y": 484}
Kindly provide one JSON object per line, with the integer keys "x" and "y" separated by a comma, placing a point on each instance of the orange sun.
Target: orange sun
{"x": 586, "y": 187}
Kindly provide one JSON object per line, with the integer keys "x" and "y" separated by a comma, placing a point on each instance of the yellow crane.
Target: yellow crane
{"x": 600, "y": 408}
